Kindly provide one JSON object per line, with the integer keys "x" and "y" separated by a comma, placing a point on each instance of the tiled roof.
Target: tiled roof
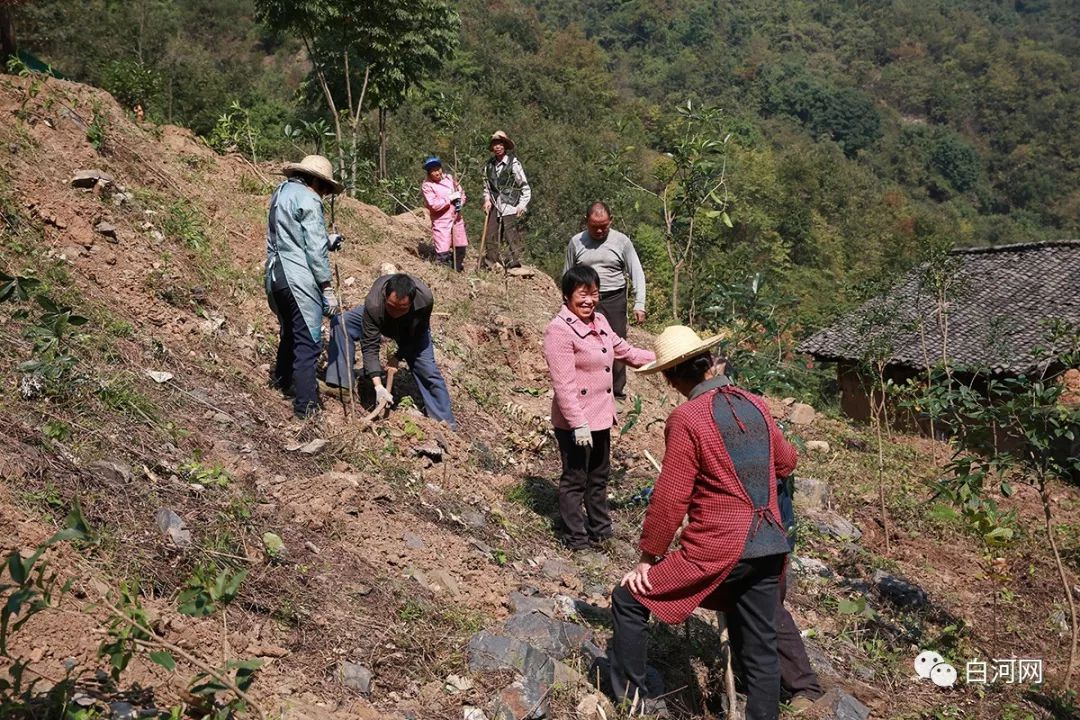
{"x": 999, "y": 302}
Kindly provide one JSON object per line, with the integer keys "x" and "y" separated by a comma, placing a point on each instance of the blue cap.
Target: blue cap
{"x": 432, "y": 161}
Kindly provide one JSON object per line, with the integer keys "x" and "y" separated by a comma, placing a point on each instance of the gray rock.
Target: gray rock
{"x": 818, "y": 659}
{"x": 810, "y": 567}
{"x": 90, "y": 178}
{"x": 836, "y": 525}
{"x": 473, "y": 713}
{"x": 355, "y": 676}
{"x": 495, "y": 652}
{"x": 172, "y": 526}
{"x": 106, "y": 229}
{"x": 899, "y": 591}
{"x": 413, "y": 541}
{"x": 520, "y": 603}
{"x": 472, "y": 518}
{"x": 812, "y": 495}
{"x": 817, "y": 446}
{"x": 430, "y": 450}
{"x": 801, "y": 414}
{"x": 557, "y": 568}
{"x": 122, "y": 711}
{"x": 313, "y": 447}
{"x": 556, "y": 638}
{"x": 110, "y": 471}
{"x": 839, "y": 705}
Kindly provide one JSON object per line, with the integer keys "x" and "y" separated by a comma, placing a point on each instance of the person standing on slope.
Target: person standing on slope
{"x": 298, "y": 276}
{"x": 612, "y": 256}
{"x": 506, "y": 195}
{"x": 443, "y": 198}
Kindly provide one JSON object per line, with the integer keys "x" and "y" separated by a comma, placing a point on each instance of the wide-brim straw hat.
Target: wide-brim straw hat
{"x": 314, "y": 166}
{"x": 503, "y": 138}
{"x": 675, "y": 344}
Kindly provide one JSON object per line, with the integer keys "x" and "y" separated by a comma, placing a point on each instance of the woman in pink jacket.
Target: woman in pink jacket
{"x": 444, "y": 198}
{"x": 580, "y": 346}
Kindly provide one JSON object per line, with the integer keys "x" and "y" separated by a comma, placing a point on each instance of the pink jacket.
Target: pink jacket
{"x": 447, "y": 226}
{"x": 579, "y": 360}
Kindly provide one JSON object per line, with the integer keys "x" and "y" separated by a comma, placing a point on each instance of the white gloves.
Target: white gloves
{"x": 331, "y": 304}
{"x": 583, "y": 436}
{"x": 456, "y": 195}
{"x": 382, "y": 395}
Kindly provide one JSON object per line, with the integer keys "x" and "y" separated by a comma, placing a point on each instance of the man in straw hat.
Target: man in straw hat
{"x": 506, "y": 195}
{"x": 723, "y": 458}
{"x": 298, "y": 276}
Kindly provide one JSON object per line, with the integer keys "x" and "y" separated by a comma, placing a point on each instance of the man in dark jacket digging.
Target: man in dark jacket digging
{"x": 399, "y": 307}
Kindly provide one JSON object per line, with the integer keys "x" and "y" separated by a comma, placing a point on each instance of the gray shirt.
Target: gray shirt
{"x": 613, "y": 258}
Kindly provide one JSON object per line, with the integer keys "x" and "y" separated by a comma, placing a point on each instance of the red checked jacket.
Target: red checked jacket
{"x": 699, "y": 480}
{"x": 579, "y": 360}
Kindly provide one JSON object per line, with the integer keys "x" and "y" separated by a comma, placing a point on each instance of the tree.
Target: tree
{"x": 382, "y": 48}
{"x": 691, "y": 186}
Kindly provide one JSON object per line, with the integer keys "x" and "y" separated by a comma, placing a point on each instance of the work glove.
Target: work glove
{"x": 382, "y": 395}
{"x": 334, "y": 241}
{"x": 330, "y": 302}
{"x": 456, "y": 195}
{"x": 583, "y": 436}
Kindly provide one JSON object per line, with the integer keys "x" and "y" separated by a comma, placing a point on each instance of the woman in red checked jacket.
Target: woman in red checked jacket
{"x": 724, "y": 455}
{"x": 580, "y": 347}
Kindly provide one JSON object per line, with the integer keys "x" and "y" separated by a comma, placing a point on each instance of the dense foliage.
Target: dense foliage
{"x": 853, "y": 133}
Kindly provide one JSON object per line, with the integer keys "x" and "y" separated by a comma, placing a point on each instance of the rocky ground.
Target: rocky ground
{"x": 395, "y": 569}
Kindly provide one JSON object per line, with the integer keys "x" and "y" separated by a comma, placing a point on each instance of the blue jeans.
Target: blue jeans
{"x": 420, "y": 357}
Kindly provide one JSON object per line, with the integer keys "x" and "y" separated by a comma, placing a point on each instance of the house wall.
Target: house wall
{"x": 855, "y": 401}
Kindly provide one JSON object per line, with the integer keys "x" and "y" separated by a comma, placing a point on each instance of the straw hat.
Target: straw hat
{"x": 675, "y": 344}
{"x": 503, "y": 138}
{"x": 314, "y": 166}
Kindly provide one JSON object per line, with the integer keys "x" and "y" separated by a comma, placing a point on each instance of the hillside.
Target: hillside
{"x": 401, "y": 541}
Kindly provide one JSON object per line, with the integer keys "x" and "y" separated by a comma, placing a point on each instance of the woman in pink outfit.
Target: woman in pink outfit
{"x": 444, "y": 198}
{"x": 580, "y": 346}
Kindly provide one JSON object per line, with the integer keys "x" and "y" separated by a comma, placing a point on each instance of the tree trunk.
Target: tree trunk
{"x": 1044, "y": 495}
{"x": 7, "y": 34}
{"x": 382, "y": 143}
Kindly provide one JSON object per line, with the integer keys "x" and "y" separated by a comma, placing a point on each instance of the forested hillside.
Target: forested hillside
{"x": 857, "y": 134}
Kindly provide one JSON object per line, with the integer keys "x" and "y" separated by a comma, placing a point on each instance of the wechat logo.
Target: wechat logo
{"x": 930, "y": 665}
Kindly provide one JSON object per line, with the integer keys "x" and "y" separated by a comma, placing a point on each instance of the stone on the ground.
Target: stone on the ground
{"x": 595, "y": 706}
{"x": 519, "y": 701}
{"x": 521, "y": 272}
{"x": 801, "y": 414}
{"x": 557, "y": 568}
{"x": 90, "y": 178}
{"x": 110, "y": 471}
{"x": 817, "y": 446}
{"x": 566, "y": 606}
{"x": 899, "y": 591}
{"x": 108, "y": 230}
{"x": 521, "y": 603}
{"x": 810, "y": 567}
{"x": 555, "y": 637}
{"x": 811, "y": 494}
{"x": 413, "y": 541}
{"x": 839, "y": 705}
{"x": 313, "y": 447}
{"x": 273, "y": 544}
{"x": 819, "y": 661}
{"x": 430, "y": 450}
{"x": 488, "y": 651}
{"x": 355, "y": 676}
{"x": 159, "y": 376}
{"x": 473, "y": 713}
{"x": 836, "y": 525}
{"x": 457, "y": 684}
{"x": 441, "y": 579}
{"x": 173, "y": 527}
{"x": 122, "y": 711}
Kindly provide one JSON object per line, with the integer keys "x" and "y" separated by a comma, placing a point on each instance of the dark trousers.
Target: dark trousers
{"x": 796, "y": 675}
{"x": 613, "y": 306}
{"x": 454, "y": 257}
{"x": 752, "y": 592}
{"x": 297, "y": 355}
{"x": 503, "y": 243}
{"x": 584, "y": 480}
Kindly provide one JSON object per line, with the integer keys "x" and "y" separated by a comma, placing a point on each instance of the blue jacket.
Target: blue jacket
{"x": 297, "y": 246}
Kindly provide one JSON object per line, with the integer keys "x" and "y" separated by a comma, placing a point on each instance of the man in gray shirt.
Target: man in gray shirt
{"x": 612, "y": 255}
